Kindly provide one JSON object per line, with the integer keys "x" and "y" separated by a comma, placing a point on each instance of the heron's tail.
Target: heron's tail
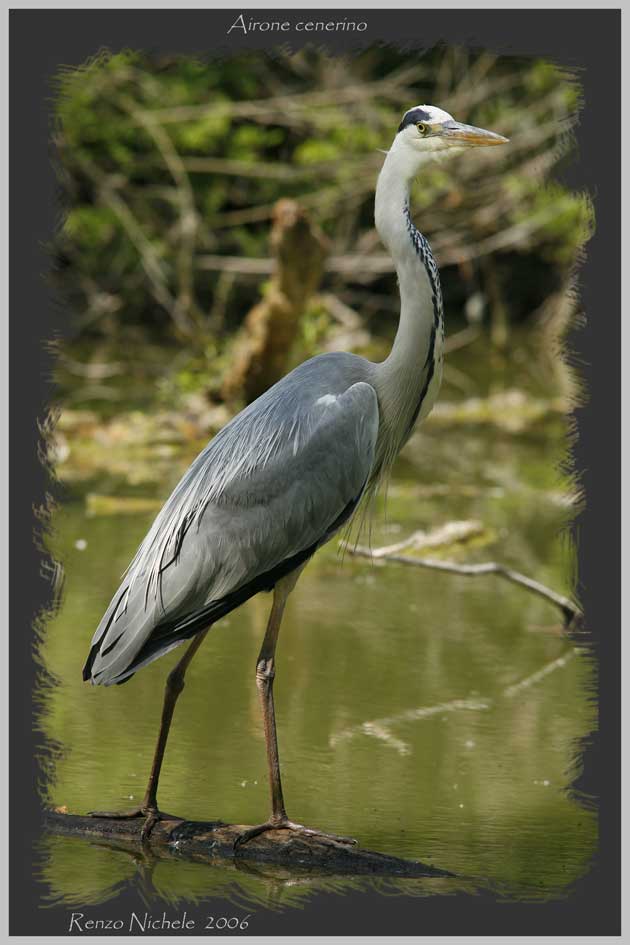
{"x": 122, "y": 632}
{"x": 135, "y": 631}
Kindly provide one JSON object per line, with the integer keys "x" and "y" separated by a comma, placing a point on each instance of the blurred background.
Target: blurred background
{"x": 172, "y": 170}
{"x": 218, "y": 229}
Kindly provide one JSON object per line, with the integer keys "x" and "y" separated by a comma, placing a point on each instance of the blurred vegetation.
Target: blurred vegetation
{"x": 171, "y": 168}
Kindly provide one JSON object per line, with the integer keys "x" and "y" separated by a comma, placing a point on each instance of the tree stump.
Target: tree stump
{"x": 270, "y": 329}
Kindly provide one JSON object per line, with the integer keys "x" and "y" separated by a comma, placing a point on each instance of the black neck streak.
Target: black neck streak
{"x": 423, "y": 251}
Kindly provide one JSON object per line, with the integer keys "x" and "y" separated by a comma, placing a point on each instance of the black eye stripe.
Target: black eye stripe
{"x": 413, "y": 117}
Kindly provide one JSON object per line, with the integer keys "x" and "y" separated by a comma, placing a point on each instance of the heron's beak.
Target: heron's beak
{"x": 469, "y": 135}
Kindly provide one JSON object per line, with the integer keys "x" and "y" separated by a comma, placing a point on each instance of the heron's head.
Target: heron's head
{"x": 427, "y": 131}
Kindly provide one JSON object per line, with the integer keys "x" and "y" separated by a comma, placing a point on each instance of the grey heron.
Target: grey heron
{"x": 285, "y": 474}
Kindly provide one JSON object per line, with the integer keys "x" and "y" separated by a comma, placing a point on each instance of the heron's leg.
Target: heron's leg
{"x": 265, "y": 673}
{"x": 174, "y": 686}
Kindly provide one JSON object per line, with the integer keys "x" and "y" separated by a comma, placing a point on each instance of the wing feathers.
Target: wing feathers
{"x": 271, "y": 487}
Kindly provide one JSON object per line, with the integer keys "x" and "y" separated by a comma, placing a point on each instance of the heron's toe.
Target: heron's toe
{"x": 153, "y": 816}
{"x": 311, "y": 832}
{"x": 248, "y": 835}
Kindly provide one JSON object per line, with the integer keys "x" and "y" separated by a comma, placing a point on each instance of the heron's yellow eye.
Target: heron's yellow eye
{"x": 423, "y": 128}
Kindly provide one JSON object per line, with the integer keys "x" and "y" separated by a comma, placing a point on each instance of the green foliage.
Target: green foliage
{"x": 565, "y": 220}
{"x": 95, "y": 226}
{"x": 315, "y": 326}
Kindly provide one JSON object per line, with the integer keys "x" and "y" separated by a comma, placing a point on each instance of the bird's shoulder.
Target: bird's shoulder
{"x": 328, "y": 397}
{"x": 300, "y": 391}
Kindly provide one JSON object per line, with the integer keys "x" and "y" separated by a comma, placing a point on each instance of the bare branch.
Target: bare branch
{"x": 569, "y": 610}
{"x": 188, "y": 217}
{"x": 447, "y": 534}
{"x": 461, "y": 338}
{"x": 247, "y": 266}
{"x": 282, "y": 109}
{"x": 259, "y": 169}
{"x": 149, "y": 259}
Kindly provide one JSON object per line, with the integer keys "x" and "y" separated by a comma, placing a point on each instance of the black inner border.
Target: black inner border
{"x": 588, "y": 40}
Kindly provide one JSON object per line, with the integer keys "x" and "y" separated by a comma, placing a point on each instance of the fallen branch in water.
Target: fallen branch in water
{"x": 213, "y": 842}
{"x": 448, "y": 534}
{"x": 570, "y": 612}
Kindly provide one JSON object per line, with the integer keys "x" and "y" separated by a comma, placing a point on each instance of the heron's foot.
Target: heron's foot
{"x": 151, "y": 813}
{"x": 286, "y": 824}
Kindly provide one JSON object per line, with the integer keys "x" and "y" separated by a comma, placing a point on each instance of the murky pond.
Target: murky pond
{"x": 429, "y": 715}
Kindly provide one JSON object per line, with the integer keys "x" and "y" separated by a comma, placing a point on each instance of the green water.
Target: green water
{"x": 471, "y": 751}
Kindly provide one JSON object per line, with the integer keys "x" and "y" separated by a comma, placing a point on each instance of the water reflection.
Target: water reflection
{"x": 79, "y": 873}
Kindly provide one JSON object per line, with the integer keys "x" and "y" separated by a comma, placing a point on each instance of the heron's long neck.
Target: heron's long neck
{"x": 404, "y": 378}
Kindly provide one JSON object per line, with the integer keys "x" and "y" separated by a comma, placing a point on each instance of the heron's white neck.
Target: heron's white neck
{"x": 402, "y": 377}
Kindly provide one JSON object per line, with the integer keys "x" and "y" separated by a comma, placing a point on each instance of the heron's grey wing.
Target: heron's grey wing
{"x": 266, "y": 492}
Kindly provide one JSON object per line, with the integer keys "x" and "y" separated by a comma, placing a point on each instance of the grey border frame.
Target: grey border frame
{"x": 589, "y": 40}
